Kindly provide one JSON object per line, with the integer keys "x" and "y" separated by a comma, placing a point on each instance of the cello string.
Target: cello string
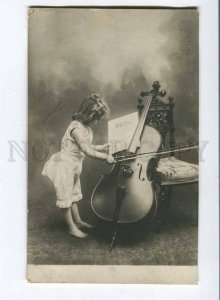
{"x": 136, "y": 136}
{"x": 140, "y": 124}
{"x": 154, "y": 153}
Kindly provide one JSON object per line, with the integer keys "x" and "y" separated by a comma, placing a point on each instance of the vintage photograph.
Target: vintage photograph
{"x": 113, "y": 144}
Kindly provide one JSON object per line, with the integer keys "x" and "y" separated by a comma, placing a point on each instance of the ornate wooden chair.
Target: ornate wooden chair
{"x": 166, "y": 171}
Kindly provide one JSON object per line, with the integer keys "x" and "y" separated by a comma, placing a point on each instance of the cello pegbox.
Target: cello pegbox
{"x": 155, "y": 92}
{"x": 156, "y": 86}
{"x": 163, "y": 93}
{"x": 156, "y": 89}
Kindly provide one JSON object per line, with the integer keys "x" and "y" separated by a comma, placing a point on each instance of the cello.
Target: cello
{"x": 126, "y": 194}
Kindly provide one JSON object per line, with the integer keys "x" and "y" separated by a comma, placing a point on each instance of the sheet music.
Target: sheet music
{"x": 121, "y": 130}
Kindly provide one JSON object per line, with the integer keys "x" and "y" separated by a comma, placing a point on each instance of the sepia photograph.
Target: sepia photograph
{"x": 113, "y": 145}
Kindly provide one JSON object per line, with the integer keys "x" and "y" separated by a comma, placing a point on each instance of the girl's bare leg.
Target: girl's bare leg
{"x": 76, "y": 217}
{"x": 72, "y": 228}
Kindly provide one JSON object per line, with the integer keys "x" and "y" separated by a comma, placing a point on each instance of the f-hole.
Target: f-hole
{"x": 141, "y": 179}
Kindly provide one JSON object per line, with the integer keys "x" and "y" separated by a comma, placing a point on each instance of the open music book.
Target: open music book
{"x": 121, "y": 130}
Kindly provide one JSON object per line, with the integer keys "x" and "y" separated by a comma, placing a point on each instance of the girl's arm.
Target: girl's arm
{"x": 86, "y": 147}
{"x": 103, "y": 147}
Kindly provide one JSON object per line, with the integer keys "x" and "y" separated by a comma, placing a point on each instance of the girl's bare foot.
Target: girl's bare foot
{"x": 77, "y": 233}
{"x": 82, "y": 224}
{"x": 77, "y": 219}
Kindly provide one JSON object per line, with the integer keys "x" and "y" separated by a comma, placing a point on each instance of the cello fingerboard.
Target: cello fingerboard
{"x": 137, "y": 134}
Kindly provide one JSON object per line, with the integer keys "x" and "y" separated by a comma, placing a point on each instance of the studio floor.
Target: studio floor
{"x": 136, "y": 244}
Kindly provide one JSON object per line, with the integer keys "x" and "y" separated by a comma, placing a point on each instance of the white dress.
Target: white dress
{"x": 64, "y": 167}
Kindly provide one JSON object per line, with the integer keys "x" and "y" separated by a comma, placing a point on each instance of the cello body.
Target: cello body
{"x": 137, "y": 197}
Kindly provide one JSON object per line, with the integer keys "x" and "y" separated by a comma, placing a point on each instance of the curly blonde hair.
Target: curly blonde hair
{"x": 92, "y": 108}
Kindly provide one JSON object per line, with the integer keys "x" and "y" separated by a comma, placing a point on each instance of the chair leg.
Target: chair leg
{"x": 163, "y": 205}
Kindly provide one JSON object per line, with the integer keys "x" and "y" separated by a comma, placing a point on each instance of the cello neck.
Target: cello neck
{"x": 138, "y": 131}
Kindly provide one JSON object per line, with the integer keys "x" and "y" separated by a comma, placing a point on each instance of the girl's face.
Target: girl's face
{"x": 98, "y": 115}
{"x": 94, "y": 123}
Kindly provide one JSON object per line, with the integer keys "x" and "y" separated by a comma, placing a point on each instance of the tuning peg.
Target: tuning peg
{"x": 163, "y": 93}
{"x": 143, "y": 94}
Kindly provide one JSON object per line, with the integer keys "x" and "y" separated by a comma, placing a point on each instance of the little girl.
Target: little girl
{"x": 64, "y": 167}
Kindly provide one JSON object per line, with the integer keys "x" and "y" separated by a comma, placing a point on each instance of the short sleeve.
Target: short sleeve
{"x": 73, "y": 125}
{"x": 77, "y": 125}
